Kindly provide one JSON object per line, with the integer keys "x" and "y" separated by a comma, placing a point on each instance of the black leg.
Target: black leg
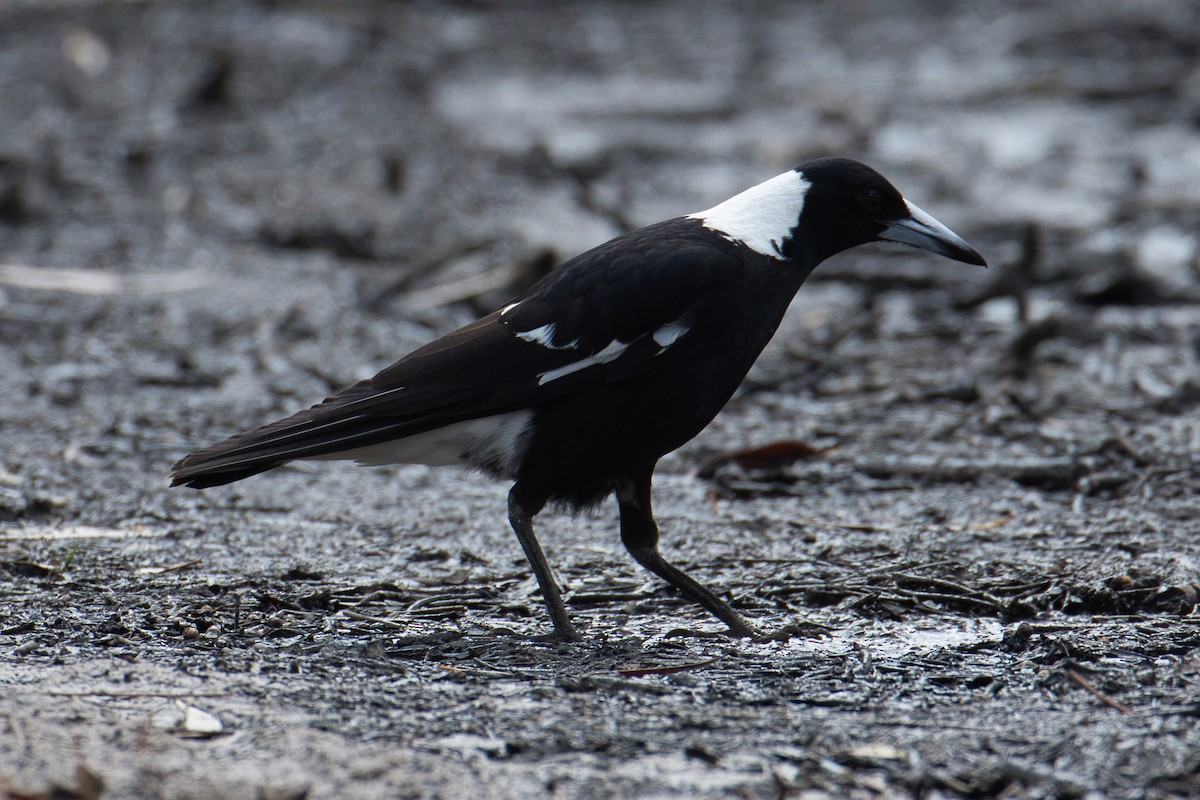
{"x": 521, "y": 510}
{"x": 639, "y": 533}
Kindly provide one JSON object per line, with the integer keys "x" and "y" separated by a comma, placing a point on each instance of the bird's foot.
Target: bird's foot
{"x": 561, "y": 633}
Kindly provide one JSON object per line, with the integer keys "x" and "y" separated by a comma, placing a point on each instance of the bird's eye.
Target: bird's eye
{"x": 870, "y": 202}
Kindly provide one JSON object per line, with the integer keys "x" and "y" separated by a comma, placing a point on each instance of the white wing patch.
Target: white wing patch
{"x": 610, "y": 353}
{"x": 762, "y": 217}
{"x": 509, "y": 308}
{"x": 545, "y": 337}
{"x": 664, "y": 337}
{"x": 669, "y": 334}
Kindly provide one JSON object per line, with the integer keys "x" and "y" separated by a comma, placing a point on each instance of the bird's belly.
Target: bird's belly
{"x": 496, "y": 444}
{"x": 582, "y": 444}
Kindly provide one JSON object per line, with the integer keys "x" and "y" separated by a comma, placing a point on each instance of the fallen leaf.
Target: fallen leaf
{"x": 197, "y": 723}
{"x": 768, "y": 456}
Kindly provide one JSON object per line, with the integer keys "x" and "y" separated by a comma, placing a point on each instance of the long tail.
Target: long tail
{"x": 334, "y": 426}
{"x": 275, "y": 445}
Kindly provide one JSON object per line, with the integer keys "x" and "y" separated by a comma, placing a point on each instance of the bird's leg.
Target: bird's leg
{"x": 520, "y": 515}
{"x": 639, "y": 533}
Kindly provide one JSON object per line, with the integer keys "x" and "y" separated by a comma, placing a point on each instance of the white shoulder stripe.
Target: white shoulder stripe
{"x": 762, "y": 217}
{"x": 610, "y": 353}
{"x": 669, "y": 334}
{"x": 544, "y": 336}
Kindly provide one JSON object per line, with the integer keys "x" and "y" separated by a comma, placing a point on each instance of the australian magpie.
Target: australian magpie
{"x": 575, "y": 388}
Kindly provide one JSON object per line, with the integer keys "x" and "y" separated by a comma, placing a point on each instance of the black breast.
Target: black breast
{"x": 730, "y": 299}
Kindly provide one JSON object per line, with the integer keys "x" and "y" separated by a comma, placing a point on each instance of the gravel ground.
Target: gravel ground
{"x": 982, "y": 514}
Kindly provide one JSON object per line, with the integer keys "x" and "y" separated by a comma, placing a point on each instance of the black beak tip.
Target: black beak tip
{"x": 973, "y": 257}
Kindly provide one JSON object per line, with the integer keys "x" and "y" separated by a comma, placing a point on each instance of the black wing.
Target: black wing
{"x": 592, "y": 320}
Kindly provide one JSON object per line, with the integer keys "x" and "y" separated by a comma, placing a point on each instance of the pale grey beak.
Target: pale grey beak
{"x": 923, "y": 231}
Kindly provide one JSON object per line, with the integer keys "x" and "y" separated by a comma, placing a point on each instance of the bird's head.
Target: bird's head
{"x": 826, "y": 206}
{"x": 847, "y": 203}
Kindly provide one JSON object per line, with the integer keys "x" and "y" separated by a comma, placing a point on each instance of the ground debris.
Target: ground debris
{"x": 88, "y": 785}
{"x": 769, "y": 458}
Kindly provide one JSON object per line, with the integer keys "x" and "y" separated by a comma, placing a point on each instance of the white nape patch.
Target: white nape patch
{"x": 545, "y": 337}
{"x": 669, "y": 334}
{"x": 762, "y": 217}
{"x": 509, "y": 308}
{"x": 498, "y": 442}
{"x": 610, "y": 353}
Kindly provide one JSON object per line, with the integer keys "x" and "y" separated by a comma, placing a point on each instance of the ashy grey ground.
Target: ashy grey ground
{"x": 214, "y": 213}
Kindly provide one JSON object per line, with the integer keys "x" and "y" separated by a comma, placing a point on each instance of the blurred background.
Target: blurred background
{"x": 325, "y": 162}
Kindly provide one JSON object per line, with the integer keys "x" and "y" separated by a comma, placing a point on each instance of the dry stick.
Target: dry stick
{"x": 668, "y": 669}
{"x": 377, "y": 620}
{"x": 950, "y": 587}
{"x": 173, "y": 693}
{"x": 100, "y": 282}
{"x": 950, "y": 598}
{"x": 501, "y": 670}
{"x": 1094, "y": 692}
{"x": 404, "y": 284}
{"x": 172, "y": 568}
{"x": 456, "y": 291}
{"x": 890, "y": 568}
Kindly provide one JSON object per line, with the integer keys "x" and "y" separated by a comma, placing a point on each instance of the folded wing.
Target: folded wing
{"x": 566, "y": 334}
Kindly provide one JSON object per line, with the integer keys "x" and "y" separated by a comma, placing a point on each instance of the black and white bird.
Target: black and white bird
{"x": 575, "y": 388}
